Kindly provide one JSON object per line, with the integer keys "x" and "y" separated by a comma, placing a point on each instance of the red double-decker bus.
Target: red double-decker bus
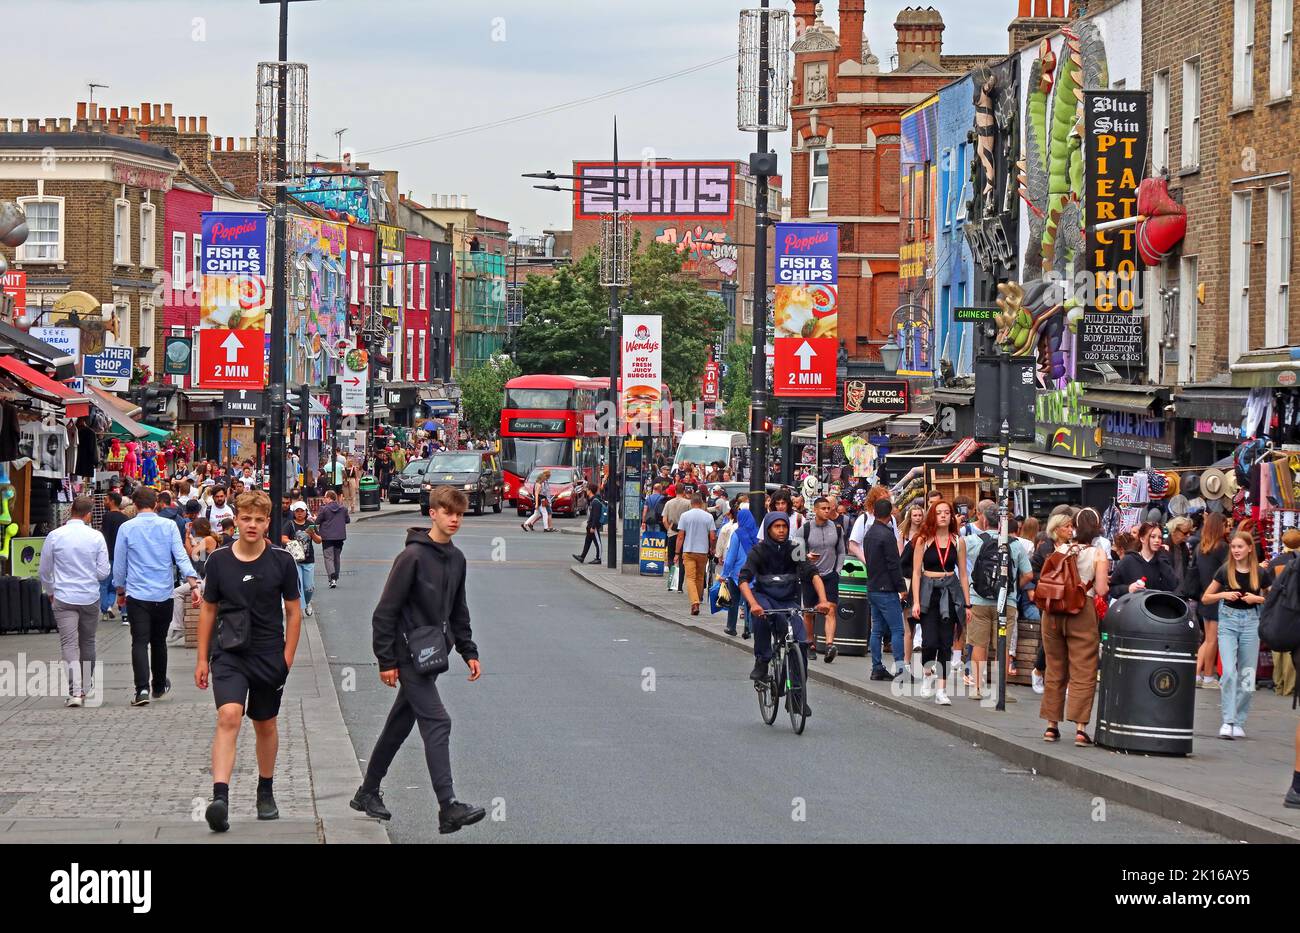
{"x": 548, "y": 421}
{"x": 552, "y": 421}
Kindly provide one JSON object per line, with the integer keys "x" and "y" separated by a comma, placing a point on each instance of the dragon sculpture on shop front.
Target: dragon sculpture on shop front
{"x": 1034, "y": 317}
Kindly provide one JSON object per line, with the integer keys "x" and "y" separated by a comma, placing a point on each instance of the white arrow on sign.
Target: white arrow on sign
{"x": 232, "y": 346}
{"x": 805, "y": 354}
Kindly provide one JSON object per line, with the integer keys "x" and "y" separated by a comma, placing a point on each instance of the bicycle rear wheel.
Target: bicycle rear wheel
{"x": 767, "y": 689}
{"x": 796, "y": 688}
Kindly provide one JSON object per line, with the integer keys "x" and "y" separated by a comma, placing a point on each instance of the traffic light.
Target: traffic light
{"x": 155, "y": 404}
{"x": 767, "y": 425}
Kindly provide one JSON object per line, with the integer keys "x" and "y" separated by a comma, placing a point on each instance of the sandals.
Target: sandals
{"x": 1081, "y": 740}
{"x": 1052, "y": 734}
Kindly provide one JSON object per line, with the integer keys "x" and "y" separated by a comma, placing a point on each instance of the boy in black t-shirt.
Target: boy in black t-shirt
{"x": 252, "y": 576}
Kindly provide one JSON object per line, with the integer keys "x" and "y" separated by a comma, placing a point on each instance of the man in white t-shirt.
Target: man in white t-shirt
{"x": 219, "y": 509}
{"x": 859, "y": 533}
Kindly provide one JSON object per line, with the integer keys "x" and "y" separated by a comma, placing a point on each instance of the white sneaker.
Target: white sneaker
{"x": 309, "y": 609}
{"x": 1238, "y": 732}
{"x": 1225, "y": 731}
{"x": 1037, "y": 680}
{"x": 125, "y": 622}
{"x": 71, "y": 702}
{"x": 175, "y": 639}
{"x": 927, "y": 688}
{"x": 1211, "y": 682}
{"x": 941, "y": 698}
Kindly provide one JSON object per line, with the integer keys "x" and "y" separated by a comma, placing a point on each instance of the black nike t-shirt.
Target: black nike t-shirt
{"x": 256, "y": 585}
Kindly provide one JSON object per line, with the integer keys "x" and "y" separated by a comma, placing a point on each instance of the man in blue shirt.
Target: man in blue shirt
{"x": 147, "y": 549}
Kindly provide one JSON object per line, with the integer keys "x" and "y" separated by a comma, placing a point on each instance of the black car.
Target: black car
{"x": 477, "y": 473}
{"x": 406, "y": 484}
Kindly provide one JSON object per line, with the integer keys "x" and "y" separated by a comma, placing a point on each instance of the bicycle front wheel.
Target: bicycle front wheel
{"x": 796, "y": 688}
{"x": 768, "y": 689}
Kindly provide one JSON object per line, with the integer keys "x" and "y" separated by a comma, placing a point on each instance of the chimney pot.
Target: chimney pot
{"x": 1040, "y": 8}
{"x": 135, "y": 114}
{"x": 216, "y": 144}
{"x": 230, "y": 144}
{"x": 167, "y": 111}
{"x": 1024, "y": 10}
{"x": 144, "y": 136}
{"x": 103, "y": 114}
{"x": 81, "y": 111}
{"x": 203, "y": 124}
{"x": 146, "y": 113}
{"x": 1058, "y": 8}
{"x": 65, "y": 124}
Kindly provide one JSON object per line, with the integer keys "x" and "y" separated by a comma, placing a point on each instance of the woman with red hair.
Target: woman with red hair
{"x": 940, "y": 591}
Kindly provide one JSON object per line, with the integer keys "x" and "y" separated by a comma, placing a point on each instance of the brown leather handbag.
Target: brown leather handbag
{"x": 1059, "y": 588}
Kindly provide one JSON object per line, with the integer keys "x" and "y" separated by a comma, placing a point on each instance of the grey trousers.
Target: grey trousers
{"x": 76, "y": 625}
{"x": 333, "y": 555}
{"x": 417, "y": 703}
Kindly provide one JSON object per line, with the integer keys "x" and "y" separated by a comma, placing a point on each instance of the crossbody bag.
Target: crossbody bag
{"x": 427, "y": 645}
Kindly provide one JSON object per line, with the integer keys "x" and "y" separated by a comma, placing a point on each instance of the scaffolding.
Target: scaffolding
{"x": 480, "y": 308}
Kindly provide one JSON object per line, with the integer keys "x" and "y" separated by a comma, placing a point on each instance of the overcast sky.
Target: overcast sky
{"x": 396, "y": 71}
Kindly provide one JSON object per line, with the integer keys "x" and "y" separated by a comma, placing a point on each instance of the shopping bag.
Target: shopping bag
{"x": 674, "y": 577}
{"x": 714, "y": 606}
{"x": 725, "y": 596}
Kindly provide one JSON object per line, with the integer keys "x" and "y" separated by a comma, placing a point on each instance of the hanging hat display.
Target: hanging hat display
{"x": 1195, "y": 506}
{"x": 1217, "y": 504}
{"x": 1178, "y": 505}
{"x": 1230, "y": 486}
{"x": 1191, "y": 484}
{"x": 1175, "y": 483}
{"x": 1213, "y": 483}
{"x": 1158, "y": 484}
{"x": 1155, "y": 515}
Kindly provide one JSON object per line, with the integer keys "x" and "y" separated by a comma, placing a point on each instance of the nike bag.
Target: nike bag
{"x": 428, "y": 647}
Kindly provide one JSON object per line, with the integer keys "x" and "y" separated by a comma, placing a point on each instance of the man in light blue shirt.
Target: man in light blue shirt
{"x": 148, "y": 547}
{"x": 981, "y": 633}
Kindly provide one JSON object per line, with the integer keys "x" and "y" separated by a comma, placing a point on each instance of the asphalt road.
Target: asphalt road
{"x": 596, "y": 723}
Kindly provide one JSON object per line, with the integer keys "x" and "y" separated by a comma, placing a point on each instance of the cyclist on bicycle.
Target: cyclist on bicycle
{"x": 772, "y": 579}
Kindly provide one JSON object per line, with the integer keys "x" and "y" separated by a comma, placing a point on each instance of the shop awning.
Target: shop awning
{"x": 1036, "y": 463}
{"x": 150, "y": 432}
{"x": 440, "y": 406}
{"x": 1137, "y": 403}
{"x": 846, "y": 424}
{"x": 46, "y": 389}
{"x": 38, "y": 351}
{"x": 1211, "y": 404}
{"x": 119, "y": 413}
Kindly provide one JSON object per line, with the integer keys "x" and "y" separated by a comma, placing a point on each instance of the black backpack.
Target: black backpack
{"x": 1279, "y": 617}
{"x": 839, "y": 531}
{"x": 984, "y": 578}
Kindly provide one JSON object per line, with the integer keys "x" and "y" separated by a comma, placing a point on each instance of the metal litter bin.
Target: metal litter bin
{"x": 852, "y": 613}
{"x": 1146, "y": 700}
{"x": 368, "y": 493}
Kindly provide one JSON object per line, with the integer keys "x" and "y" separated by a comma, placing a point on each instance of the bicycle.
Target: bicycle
{"x": 787, "y": 675}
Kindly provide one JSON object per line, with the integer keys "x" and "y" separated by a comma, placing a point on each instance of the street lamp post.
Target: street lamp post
{"x": 615, "y": 336}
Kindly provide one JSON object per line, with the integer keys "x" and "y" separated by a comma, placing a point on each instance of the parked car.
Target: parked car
{"x": 405, "y": 486}
{"x": 568, "y": 491}
{"x": 476, "y": 472}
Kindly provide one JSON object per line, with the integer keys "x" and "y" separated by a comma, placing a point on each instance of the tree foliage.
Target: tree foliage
{"x": 483, "y": 393}
{"x": 737, "y": 384}
{"x": 566, "y": 315}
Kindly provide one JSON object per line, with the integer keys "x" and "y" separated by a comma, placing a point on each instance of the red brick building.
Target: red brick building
{"x": 845, "y": 140}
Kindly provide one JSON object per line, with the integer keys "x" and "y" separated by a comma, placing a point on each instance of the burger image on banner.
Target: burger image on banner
{"x": 642, "y": 369}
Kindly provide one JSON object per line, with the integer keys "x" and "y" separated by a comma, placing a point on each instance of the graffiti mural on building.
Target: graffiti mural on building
{"x": 318, "y": 297}
{"x": 701, "y": 247}
{"x": 344, "y": 198}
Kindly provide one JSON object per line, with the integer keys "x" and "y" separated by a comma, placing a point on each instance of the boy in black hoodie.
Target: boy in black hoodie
{"x": 425, "y": 587}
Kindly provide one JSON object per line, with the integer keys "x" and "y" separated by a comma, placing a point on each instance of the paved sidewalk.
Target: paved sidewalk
{"x": 115, "y": 773}
{"x": 1233, "y": 788}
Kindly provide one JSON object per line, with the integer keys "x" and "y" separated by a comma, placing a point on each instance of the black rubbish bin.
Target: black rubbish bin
{"x": 1146, "y": 700}
{"x": 368, "y": 493}
{"x": 852, "y": 613}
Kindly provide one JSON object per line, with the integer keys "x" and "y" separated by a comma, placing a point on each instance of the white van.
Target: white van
{"x": 705, "y": 447}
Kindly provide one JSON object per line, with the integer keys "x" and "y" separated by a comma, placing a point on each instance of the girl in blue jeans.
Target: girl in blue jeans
{"x": 1239, "y": 587}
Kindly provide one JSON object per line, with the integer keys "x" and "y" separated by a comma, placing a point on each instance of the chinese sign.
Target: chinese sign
{"x": 678, "y": 190}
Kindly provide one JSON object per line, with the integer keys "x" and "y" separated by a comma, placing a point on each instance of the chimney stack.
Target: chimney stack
{"x": 920, "y": 36}
{"x": 1028, "y": 29}
{"x": 852, "y": 14}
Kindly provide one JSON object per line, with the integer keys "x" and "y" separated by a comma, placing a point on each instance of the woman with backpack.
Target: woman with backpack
{"x": 1239, "y": 587}
{"x": 1209, "y": 555}
{"x": 1071, "y": 577}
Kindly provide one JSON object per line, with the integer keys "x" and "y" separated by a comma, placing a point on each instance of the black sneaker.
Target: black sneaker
{"x": 759, "y": 673}
{"x": 266, "y": 808}
{"x": 746, "y": 634}
{"x": 333, "y": 584}
{"x": 1292, "y": 799}
{"x": 579, "y": 558}
{"x": 371, "y": 803}
{"x": 218, "y": 815}
{"x": 456, "y": 815}
{"x": 595, "y": 560}
{"x": 141, "y": 698}
{"x": 832, "y": 652}
{"x": 812, "y": 650}
{"x": 167, "y": 689}
{"x": 881, "y": 674}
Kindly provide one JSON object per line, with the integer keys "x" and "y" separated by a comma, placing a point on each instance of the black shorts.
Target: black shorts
{"x": 254, "y": 680}
{"x": 831, "y": 583}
